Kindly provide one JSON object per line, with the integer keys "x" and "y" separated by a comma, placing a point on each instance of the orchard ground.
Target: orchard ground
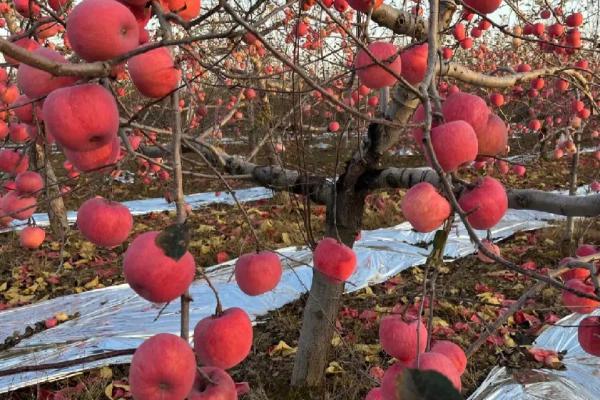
{"x": 473, "y": 293}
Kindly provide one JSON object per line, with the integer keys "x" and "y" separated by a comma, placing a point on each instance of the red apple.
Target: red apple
{"x": 454, "y": 144}
{"x": 154, "y": 73}
{"x": 493, "y": 140}
{"x": 154, "y": 275}
{"x": 454, "y": 353}
{"x": 258, "y": 273}
{"x": 98, "y": 39}
{"x": 467, "y": 107}
{"x": 414, "y": 63}
{"x": 27, "y": 8}
{"x": 35, "y": 82}
{"x": 223, "y": 340}
{"x": 440, "y": 363}
{"x": 334, "y": 260}
{"x": 399, "y": 338}
{"x": 375, "y": 394}
{"x": 13, "y": 162}
{"x": 163, "y": 367}
{"x": 27, "y": 44}
{"x": 186, "y": 9}
{"x": 213, "y": 383}
{"x": 83, "y": 117}
{"x": 425, "y": 208}
{"x": 32, "y": 237}
{"x": 103, "y": 222}
{"x": 390, "y": 381}
{"x": 96, "y": 160}
{"x": 484, "y": 6}
{"x": 29, "y": 183}
{"x": 588, "y": 335}
{"x": 485, "y": 204}
{"x": 492, "y": 248}
{"x": 18, "y": 207}
{"x": 371, "y": 74}
{"x": 365, "y": 5}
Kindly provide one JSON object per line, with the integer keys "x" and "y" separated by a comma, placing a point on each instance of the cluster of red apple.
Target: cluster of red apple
{"x": 165, "y": 365}
{"x": 580, "y": 279}
{"x": 407, "y": 342}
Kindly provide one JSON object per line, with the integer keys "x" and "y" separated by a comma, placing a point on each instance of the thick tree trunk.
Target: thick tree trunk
{"x": 57, "y": 214}
{"x": 344, "y": 218}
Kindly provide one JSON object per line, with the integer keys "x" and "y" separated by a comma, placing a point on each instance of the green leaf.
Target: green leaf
{"x": 414, "y": 384}
{"x": 174, "y": 240}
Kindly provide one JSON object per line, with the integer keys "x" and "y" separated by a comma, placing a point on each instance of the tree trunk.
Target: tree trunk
{"x": 344, "y": 219}
{"x": 57, "y": 214}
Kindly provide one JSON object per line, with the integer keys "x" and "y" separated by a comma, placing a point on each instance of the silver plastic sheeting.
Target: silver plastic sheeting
{"x": 146, "y": 206}
{"x": 116, "y": 318}
{"x": 579, "y": 381}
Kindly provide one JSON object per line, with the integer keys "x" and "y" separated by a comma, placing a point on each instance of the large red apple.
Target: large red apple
{"x": 389, "y": 383}
{"x": 103, "y": 222}
{"x": 454, "y": 353}
{"x": 373, "y": 75}
{"x": 484, "y": 6}
{"x": 83, "y": 117}
{"x": 424, "y": 207}
{"x": 154, "y": 73}
{"x": 154, "y": 275}
{"x": 334, "y": 260}
{"x": 399, "y": 338}
{"x": 439, "y": 363}
{"x": 25, "y": 111}
{"x": 493, "y": 140}
{"x": 576, "y": 303}
{"x": 29, "y": 183}
{"x": 258, "y": 273}
{"x": 18, "y": 133}
{"x": 27, "y": 8}
{"x": 35, "y": 82}
{"x": 223, "y": 340}
{"x": 102, "y": 29}
{"x": 213, "y": 383}
{"x": 414, "y": 63}
{"x": 32, "y": 237}
{"x": 18, "y": 207}
{"x": 485, "y": 204}
{"x": 588, "y": 335}
{"x": 97, "y": 159}
{"x": 454, "y": 144}
{"x": 13, "y": 162}
{"x": 375, "y": 394}
{"x": 162, "y": 368}
{"x": 467, "y": 107}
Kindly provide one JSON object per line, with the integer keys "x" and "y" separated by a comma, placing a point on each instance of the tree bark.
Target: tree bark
{"x": 344, "y": 219}
{"x": 57, "y": 214}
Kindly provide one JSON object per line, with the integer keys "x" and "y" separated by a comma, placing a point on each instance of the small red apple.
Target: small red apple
{"x": 258, "y": 273}
{"x": 223, "y": 340}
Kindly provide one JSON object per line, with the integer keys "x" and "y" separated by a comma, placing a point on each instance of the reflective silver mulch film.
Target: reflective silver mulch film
{"x": 579, "y": 381}
{"x": 116, "y": 318}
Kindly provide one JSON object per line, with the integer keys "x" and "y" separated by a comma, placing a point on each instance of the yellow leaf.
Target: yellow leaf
{"x": 369, "y": 349}
{"x": 67, "y": 265}
{"x": 92, "y": 284}
{"x": 3, "y": 286}
{"x": 108, "y": 391}
{"x": 366, "y": 293}
{"x": 106, "y": 373}
{"x": 61, "y": 316}
{"x": 508, "y": 341}
{"x": 382, "y": 310}
{"x": 285, "y": 237}
{"x": 334, "y": 368}
{"x": 437, "y": 321}
{"x": 55, "y": 246}
{"x": 283, "y": 349}
{"x": 336, "y": 340}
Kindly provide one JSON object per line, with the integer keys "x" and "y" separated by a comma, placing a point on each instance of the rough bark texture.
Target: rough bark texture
{"x": 57, "y": 214}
